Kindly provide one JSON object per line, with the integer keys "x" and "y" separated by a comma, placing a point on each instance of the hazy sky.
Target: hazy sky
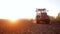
{"x": 26, "y": 8}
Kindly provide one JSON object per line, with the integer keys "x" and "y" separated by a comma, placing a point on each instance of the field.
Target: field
{"x": 28, "y": 27}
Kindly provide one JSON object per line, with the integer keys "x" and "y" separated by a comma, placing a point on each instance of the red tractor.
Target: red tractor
{"x": 42, "y": 17}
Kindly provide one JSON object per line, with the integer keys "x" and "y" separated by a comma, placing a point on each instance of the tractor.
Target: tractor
{"x": 42, "y": 17}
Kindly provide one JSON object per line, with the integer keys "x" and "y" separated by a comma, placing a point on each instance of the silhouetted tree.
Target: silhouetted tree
{"x": 51, "y": 18}
{"x": 58, "y": 17}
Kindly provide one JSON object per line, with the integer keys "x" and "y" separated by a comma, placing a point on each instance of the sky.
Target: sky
{"x": 13, "y": 9}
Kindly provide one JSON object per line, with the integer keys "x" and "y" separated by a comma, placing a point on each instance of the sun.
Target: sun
{"x": 13, "y": 19}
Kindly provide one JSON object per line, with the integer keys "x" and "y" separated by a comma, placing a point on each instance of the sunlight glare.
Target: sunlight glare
{"x": 12, "y": 20}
